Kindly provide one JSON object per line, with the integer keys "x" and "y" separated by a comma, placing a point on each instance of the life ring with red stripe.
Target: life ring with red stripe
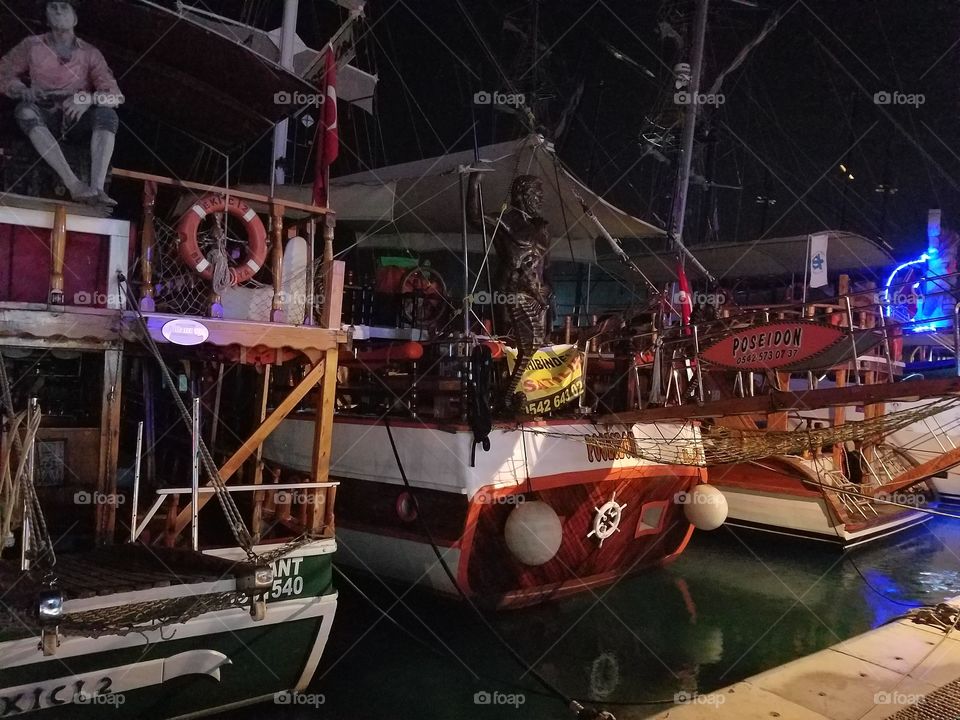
{"x": 190, "y": 251}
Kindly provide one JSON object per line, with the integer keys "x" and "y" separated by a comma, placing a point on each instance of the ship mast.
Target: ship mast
{"x": 679, "y": 209}
{"x": 288, "y": 31}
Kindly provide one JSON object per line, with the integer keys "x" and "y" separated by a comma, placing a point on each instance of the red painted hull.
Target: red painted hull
{"x": 487, "y": 570}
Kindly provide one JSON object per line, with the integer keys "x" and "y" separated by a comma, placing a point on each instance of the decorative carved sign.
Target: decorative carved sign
{"x": 772, "y": 346}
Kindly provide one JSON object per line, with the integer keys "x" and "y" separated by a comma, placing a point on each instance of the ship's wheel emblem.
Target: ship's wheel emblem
{"x": 607, "y": 520}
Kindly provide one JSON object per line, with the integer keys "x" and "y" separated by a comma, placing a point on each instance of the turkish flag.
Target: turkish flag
{"x": 684, "y": 296}
{"x": 327, "y": 141}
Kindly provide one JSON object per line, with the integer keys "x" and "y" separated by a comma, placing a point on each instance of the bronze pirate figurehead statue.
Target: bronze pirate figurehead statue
{"x": 526, "y": 194}
{"x": 521, "y": 238}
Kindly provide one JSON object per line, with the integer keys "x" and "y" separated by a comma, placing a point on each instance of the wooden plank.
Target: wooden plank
{"x": 30, "y": 202}
{"x": 778, "y": 401}
{"x": 778, "y": 421}
{"x": 256, "y": 522}
{"x": 256, "y": 197}
{"x": 106, "y": 513}
{"x": 235, "y": 461}
{"x": 330, "y": 317}
{"x": 243, "y": 333}
{"x": 838, "y": 417}
{"x": 920, "y": 472}
{"x": 98, "y": 329}
{"x": 322, "y": 439}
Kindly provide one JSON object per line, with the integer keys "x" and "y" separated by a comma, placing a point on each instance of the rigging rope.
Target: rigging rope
{"x": 42, "y": 552}
{"x": 230, "y": 510}
{"x": 12, "y": 482}
{"x": 721, "y": 445}
{"x": 218, "y": 257}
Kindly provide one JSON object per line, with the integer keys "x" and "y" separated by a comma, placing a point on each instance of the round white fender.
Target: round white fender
{"x": 705, "y": 507}
{"x": 533, "y": 532}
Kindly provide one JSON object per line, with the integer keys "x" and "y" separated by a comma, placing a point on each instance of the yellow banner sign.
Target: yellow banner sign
{"x": 553, "y": 378}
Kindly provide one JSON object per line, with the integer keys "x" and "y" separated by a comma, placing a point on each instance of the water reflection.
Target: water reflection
{"x": 733, "y": 605}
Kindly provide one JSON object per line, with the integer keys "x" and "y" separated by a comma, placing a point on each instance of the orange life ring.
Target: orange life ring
{"x": 256, "y": 237}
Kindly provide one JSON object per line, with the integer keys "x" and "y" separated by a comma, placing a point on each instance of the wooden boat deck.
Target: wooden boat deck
{"x": 109, "y": 570}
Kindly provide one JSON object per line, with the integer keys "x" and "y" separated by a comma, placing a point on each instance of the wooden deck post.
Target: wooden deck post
{"x": 333, "y": 278}
{"x": 147, "y": 246}
{"x": 256, "y": 524}
{"x": 105, "y": 511}
{"x": 58, "y": 248}
{"x": 250, "y": 445}
{"x": 277, "y": 311}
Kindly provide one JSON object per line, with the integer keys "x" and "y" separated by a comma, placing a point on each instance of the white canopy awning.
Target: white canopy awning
{"x": 767, "y": 257}
{"x": 417, "y": 205}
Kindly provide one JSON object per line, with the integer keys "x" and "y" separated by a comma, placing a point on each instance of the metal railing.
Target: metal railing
{"x": 195, "y": 490}
{"x": 676, "y": 344}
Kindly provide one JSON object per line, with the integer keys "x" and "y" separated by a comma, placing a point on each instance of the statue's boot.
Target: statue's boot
{"x": 101, "y": 150}
{"x": 49, "y": 149}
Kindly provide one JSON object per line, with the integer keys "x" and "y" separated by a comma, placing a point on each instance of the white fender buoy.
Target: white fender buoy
{"x": 533, "y": 532}
{"x": 705, "y": 507}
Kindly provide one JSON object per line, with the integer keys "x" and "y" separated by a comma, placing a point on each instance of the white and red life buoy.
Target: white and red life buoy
{"x": 190, "y": 251}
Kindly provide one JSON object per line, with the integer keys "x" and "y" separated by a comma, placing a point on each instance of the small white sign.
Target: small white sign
{"x": 818, "y": 260}
{"x": 183, "y": 331}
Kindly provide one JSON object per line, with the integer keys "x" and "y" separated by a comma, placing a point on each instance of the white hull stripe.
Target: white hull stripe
{"x": 61, "y": 691}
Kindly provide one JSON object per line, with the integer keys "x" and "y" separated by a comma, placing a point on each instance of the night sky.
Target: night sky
{"x": 800, "y": 106}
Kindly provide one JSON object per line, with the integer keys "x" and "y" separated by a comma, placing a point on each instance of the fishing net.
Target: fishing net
{"x": 150, "y": 615}
{"x": 181, "y": 291}
{"x": 717, "y": 445}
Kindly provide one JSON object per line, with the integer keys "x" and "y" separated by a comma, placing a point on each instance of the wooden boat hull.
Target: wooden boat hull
{"x": 928, "y": 438}
{"x": 466, "y": 508}
{"x": 215, "y": 661}
{"x": 776, "y": 497}
{"x": 922, "y": 441}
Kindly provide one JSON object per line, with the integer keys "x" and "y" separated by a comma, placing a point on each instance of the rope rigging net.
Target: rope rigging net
{"x": 722, "y": 445}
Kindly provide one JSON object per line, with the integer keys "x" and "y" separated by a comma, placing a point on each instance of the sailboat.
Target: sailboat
{"x": 437, "y": 489}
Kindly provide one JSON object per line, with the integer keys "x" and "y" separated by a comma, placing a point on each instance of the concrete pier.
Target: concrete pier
{"x": 902, "y": 670}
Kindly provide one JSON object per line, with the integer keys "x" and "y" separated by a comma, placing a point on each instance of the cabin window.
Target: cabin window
{"x": 652, "y": 516}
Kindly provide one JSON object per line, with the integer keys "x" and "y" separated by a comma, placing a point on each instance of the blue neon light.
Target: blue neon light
{"x": 886, "y": 290}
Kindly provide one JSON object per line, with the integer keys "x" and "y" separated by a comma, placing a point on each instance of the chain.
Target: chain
{"x": 230, "y": 510}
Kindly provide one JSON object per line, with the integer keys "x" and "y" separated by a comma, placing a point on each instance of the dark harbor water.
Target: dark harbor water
{"x": 733, "y": 605}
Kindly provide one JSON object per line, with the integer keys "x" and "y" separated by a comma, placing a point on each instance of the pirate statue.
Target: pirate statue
{"x": 521, "y": 240}
{"x": 63, "y": 84}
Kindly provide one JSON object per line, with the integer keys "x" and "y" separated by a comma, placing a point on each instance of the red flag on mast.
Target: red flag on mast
{"x": 684, "y": 296}
{"x": 327, "y": 141}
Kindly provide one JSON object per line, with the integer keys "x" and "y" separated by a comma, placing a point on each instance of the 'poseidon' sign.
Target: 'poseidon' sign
{"x": 772, "y": 346}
